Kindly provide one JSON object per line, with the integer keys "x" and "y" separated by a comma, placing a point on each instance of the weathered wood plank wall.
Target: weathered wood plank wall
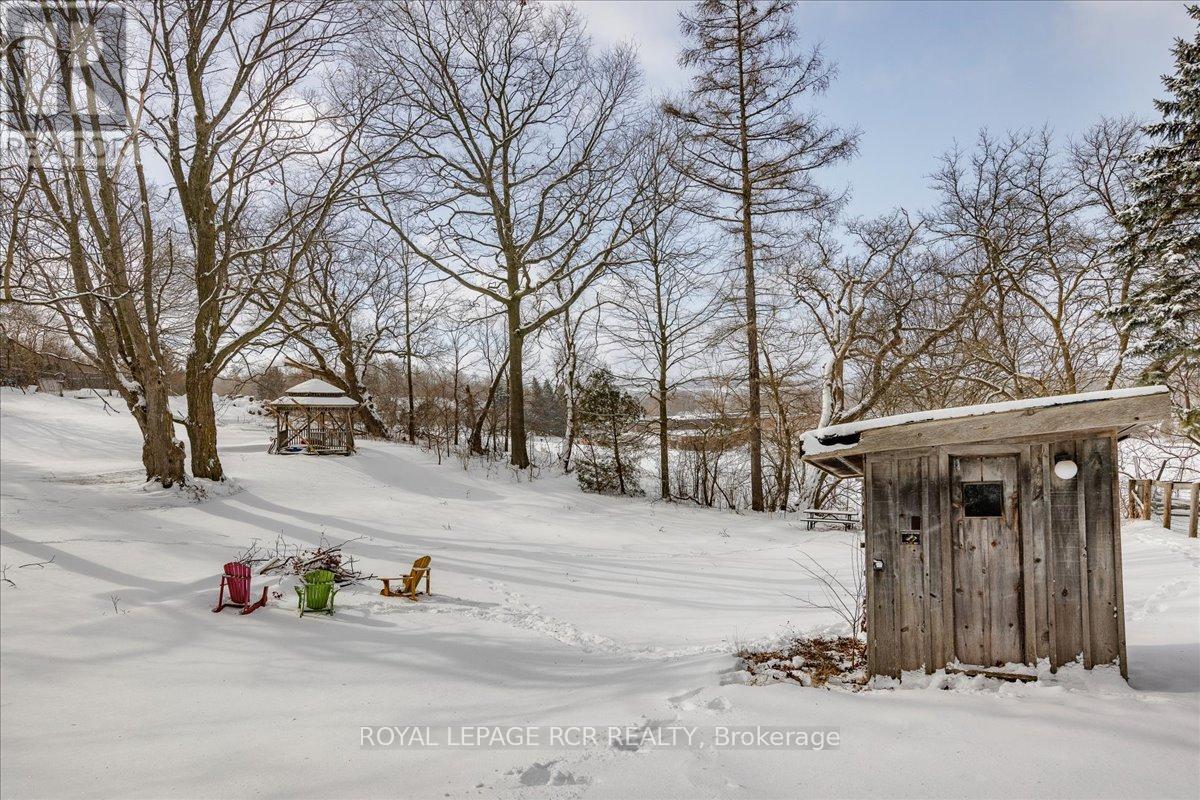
{"x": 1059, "y": 576}
{"x": 910, "y": 609}
{"x": 1065, "y": 552}
{"x": 1096, "y": 481}
{"x": 882, "y": 548}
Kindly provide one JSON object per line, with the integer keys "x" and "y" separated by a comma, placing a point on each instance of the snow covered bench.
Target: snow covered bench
{"x": 847, "y": 520}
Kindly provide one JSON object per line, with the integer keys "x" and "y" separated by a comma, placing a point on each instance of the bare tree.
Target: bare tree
{"x": 255, "y": 162}
{"x": 257, "y": 159}
{"x": 88, "y": 248}
{"x": 492, "y": 345}
{"x": 1041, "y": 220}
{"x": 788, "y": 358}
{"x": 423, "y": 300}
{"x": 981, "y": 218}
{"x": 516, "y": 178}
{"x": 1102, "y": 161}
{"x": 751, "y": 146}
{"x": 574, "y": 348}
{"x": 878, "y": 309}
{"x": 457, "y": 337}
{"x": 17, "y": 180}
{"x": 665, "y": 299}
{"x": 345, "y": 315}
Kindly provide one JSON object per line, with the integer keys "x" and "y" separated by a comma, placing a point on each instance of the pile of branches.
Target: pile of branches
{"x": 821, "y": 661}
{"x": 287, "y": 558}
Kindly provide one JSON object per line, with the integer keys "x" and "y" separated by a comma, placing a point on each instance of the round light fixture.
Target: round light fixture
{"x": 1066, "y": 469}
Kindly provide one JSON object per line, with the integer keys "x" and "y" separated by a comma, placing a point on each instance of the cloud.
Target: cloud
{"x": 1124, "y": 28}
{"x": 652, "y": 27}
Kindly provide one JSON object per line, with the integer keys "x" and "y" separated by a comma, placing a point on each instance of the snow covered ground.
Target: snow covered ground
{"x": 550, "y": 608}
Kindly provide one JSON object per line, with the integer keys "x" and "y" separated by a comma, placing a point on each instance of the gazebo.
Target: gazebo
{"x": 314, "y": 417}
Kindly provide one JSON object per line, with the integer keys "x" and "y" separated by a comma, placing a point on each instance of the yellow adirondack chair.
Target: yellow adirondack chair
{"x": 409, "y": 582}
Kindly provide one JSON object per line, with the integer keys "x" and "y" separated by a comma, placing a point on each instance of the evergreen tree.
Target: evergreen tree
{"x": 1164, "y": 227}
{"x": 612, "y": 439}
{"x": 547, "y": 413}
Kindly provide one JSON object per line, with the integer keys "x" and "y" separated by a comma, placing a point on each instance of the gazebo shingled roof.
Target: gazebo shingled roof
{"x": 313, "y": 386}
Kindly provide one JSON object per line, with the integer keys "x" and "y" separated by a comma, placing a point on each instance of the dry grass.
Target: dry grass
{"x": 822, "y": 661}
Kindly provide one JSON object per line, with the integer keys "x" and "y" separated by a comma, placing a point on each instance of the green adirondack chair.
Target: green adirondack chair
{"x": 317, "y": 593}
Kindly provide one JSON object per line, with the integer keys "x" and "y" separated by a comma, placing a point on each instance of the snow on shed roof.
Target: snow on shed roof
{"x": 1115, "y": 408}
{"x": 311, "y": 401}
{"x": 314, "y": 386}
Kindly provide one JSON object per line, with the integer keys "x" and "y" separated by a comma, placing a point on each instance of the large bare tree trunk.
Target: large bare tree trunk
{"x": 457, "y": 413}
{"x": 518, "y": 447}
{"x": 752, "y": 368}
{"x": 664, "y": 462}
{"x": 570, "y": 383}
{"x": 202, "y": 422}
{"x": 753, "y": 373}
{"x": 162, "y": 453}
{"x": 571, "y": 422}
{"x": 411, "y": 427}
{"x": 372, "y": 424}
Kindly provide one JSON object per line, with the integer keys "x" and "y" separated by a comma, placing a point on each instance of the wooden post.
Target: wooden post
{"x": 1132, "y": 506}
{"x": 1168, "y": 496}
{"x": 1146, "y": 487}
{"x": 1194, "y": 510}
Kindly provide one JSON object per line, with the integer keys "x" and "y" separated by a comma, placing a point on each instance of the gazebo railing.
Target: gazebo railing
{"x": 316, "y": 441}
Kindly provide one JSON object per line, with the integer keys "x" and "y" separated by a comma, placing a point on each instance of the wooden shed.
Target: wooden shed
{"x": 992, "y": 532}
{"x": 314, "y": 417}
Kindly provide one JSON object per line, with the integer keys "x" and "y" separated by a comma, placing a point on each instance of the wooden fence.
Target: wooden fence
{"x": 54, "y": 382}
{"x": 1172, "y": 500}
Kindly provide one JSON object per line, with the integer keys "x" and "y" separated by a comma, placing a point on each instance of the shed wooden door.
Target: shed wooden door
{"x": 988, "y": 611}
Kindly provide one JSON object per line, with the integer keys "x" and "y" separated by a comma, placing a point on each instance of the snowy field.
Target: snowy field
{"x": 550, "y": 608}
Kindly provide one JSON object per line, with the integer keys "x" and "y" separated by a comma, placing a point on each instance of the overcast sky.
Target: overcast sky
{"x": 916, "y": 77}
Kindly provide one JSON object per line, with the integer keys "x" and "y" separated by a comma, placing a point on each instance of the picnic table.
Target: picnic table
{"x": 848, "y": 520}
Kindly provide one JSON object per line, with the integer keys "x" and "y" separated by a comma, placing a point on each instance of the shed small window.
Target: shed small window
{"x": 983, "y": 499}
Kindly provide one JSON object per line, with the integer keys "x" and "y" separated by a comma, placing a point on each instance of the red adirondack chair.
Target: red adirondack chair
{"x": 237, "y": 581}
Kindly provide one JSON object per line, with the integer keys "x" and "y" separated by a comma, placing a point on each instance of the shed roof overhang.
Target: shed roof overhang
{"x": 840, "y": 449}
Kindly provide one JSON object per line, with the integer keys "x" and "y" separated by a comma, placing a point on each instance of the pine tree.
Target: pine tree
{"x": 547, "y": 414}
{"x": 749, "y": 144}
{"x": 1164, "y": 226}
{"x": 612, "y": 439}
